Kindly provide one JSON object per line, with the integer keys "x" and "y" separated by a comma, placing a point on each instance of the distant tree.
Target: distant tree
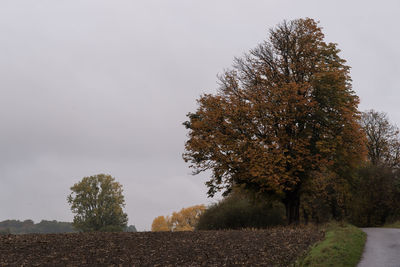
{"x": 28, "y": 223}
{"x": 130, "y": 228}
{"x": 28, "y": 226}
{"x": 52, "y": 227}
{"x": 97, "y": 202}
{"x": 17, "y": 227}
{"x": 184, "y": 220}
{"x": 44, "y": 227}
{"x": 383, "y": 139}
{"x": 285, "y": 111}
{"x": 160, "y": 224}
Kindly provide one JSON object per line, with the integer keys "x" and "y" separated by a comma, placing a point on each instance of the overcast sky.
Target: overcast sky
{"x": 98, "y": 86}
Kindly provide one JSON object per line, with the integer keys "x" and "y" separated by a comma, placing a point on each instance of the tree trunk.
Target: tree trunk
{"x": 292, "y": 205}
{"x": 305, "y": 216}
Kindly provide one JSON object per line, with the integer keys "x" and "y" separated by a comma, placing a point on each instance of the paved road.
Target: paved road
{"x": 382, "y": 248}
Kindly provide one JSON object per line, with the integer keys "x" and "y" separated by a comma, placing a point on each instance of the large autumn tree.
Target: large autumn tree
{"x": 286, "y": 109}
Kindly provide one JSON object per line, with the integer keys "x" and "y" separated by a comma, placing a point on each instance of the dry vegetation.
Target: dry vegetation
{"x": 272, "y": 247}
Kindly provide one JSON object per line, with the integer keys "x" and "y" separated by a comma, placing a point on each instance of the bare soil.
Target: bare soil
{"x": 271, "y": 247}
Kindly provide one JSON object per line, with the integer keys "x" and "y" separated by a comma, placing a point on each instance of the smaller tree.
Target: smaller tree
{"x": 187, "y": 218}
{"x": 383, "y": 139}
{"x": 97, "y": 203}
{"x": 160, "y": 224}
{"x": 130, "y": 228}
{"x": 376, "y": 192}
{"x": 184, "y": 220}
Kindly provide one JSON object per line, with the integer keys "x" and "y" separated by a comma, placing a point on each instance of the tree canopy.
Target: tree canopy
{"x": 184, "y": 220}
{"x": 97, "y": 203}
{"x": 383, "y": 139}
{"x": 284, "y": 111}
{"x": 160, "y": 224}
{"x": 376, "y": 197}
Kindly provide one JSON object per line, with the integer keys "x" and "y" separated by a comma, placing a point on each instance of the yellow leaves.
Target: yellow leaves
{"x": 160, "y": 224}
{"x": 184, "y": 220}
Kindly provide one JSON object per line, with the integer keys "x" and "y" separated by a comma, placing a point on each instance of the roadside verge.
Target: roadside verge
{"x": 343, "y": 246}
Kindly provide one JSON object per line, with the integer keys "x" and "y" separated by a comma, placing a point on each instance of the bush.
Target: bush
{"x": 236, "y": 212}
{"x": 375, "y": 197}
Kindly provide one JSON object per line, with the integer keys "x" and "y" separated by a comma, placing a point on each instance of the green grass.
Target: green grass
{"x": 343, "y": 246}
{"x": 392, "y": 225}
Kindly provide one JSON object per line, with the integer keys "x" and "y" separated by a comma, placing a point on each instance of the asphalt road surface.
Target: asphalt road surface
{"x": 382, "y": 248}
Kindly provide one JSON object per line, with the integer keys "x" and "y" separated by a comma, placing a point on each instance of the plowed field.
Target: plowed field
{"x": 271, "y": 247}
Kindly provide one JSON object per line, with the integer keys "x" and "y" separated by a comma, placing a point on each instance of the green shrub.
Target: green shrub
{"x": 375, "y": 198}
{"x": 236, "y": 212}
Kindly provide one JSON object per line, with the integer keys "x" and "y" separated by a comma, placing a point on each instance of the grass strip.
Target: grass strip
{"x": 392, "y": 225}
{"x": 343, "y": 246}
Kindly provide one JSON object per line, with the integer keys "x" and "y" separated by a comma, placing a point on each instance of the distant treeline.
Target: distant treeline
{"x": 43, "y": 227}
{"x": 28, "y": 227}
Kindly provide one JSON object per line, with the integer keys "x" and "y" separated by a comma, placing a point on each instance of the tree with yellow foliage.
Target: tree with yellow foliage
{"x": 160, "y": 224}
{"x": 184, "y": 220}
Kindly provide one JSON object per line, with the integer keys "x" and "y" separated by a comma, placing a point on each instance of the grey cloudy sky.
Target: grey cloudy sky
{"x": 101, "y": 86}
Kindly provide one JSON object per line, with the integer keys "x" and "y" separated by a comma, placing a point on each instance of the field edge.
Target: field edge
{"x": 343, "y": 245}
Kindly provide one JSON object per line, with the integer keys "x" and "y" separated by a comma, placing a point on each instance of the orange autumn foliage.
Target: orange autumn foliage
{"x": 160, "y": 224}
{"x": 286, "y": 109}
{"x": 184, "y": 220}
